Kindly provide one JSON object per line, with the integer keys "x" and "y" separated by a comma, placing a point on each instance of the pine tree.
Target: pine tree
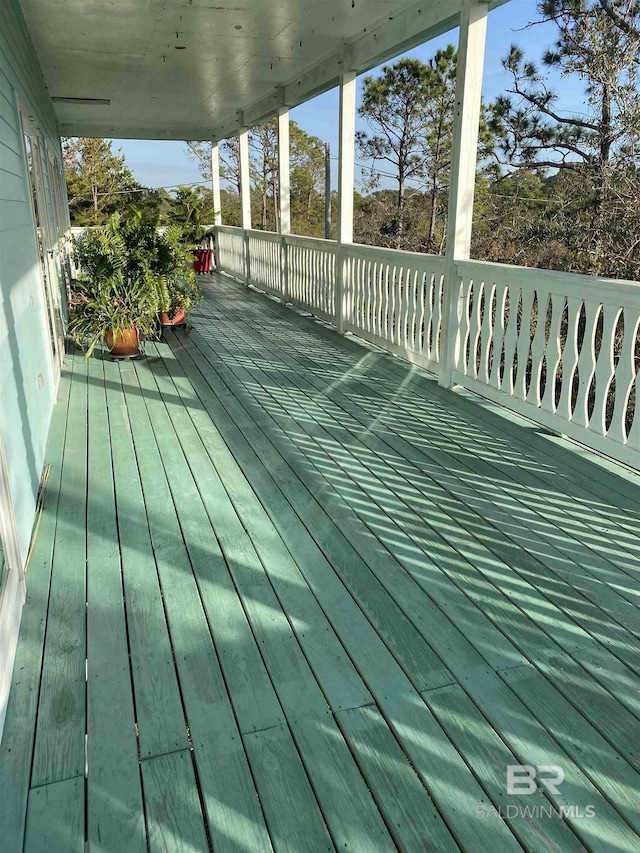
{"x": 98, "y": 181}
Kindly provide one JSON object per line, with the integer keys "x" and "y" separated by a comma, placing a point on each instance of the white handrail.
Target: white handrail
{"x": 561, "y": 349}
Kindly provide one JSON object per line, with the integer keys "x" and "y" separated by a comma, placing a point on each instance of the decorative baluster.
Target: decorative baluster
{"x": 605, "y": 369}
{"x": 436, "y": 317}
{"x": 400, "y": 297}
{"x": 371, "y": 295}
{"x": 537, "y": 349}
{"x": 362, "y": 313}
{"x": 315, "y": 298}
{"x": 392, "y": 302}
{"x": 625, "y": 376}
{"x": 410, "y": 307}
{"x": 413, "y": 310}
{"x": 586, "y": 363}
{"x": 633, "y": 439}
{"x": 553, "y": 352}
{"x": 477, "y": 289}
{"x": 464, "y": 360}
{"x": 497, "y": 333}
{"x": 424, "y": 318}
{"x": 511, "y": 340}
{"x": 524, "y": 344}
{"x": 486, "y": 334}
{"x": 569, "y": 358}
{"x": 397, "y": 308}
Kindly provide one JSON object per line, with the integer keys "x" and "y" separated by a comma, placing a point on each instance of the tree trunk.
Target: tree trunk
{"x": 602, "y": 180}
{"x": 432, "y": 213}
{"x": 401, "y": 191}
{"x": 276, "y": 204}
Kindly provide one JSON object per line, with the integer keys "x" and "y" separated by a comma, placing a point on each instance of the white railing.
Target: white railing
{"x": 264, "y": 253}
{"x": 311, "y": 275}
{"x": 561, "y": 349}
{"x": 231, "y": 250}
{"x": 394, "y": 299}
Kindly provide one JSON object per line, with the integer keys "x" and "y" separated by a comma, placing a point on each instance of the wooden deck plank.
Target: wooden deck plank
{"x": 174, "y": 814}
{"x": 488, "y": 756}
{"x": 546, "y": 614}
{"x": 413, "y": 819}
{"x": 491, "y": 693}
{"x": 55, "y": 822}
{"x": 351, "y": 813}
{"x": 574, "y": 634}
{"x": 60, "y": 744}
{"x": 158, "y": 451}
{"x": 600, "y": 662}
{"x": 294, "y": 819}
{"x": 243, "y": 355}
{"x": 115, "y": 811}
{"x": 342, "y": 539}
{"x": 16, "y": 747}
{"x": 438, "y": 764}
{"x": 229, "y": 795}
{"x": 372, "y": 390}
{"x": 536, "y": 475}
{"x": 363, "y": 492}
{"x": 334, "y": 670}
{"x": 285, "y": 497}
{"x": 598, "y": 759}
{"x": 558, "y": 457}
{"x": 384, "y": 365}
{"x": 159, "y": 713}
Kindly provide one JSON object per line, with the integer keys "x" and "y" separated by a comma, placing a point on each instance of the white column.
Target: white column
{"x": 464, "y": 158}
{"x": 217, "y": 208}
{"x": 215, "y": 183}
{"x": 284, "y": 190}
{"x": 245, "y": 180}
{"x": 346, "y": 177}
{"x": 283, "y": 170}
{"x": 245, "y": 197}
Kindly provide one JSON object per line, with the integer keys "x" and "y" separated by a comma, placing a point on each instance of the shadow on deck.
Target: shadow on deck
{"x": 323, "y": 603}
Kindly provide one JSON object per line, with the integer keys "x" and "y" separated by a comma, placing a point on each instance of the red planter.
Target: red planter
{"x": 203, "y": 260}
{"x": 127, "y": 344}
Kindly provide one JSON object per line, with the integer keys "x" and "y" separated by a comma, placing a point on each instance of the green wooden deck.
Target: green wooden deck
{"x": 288, "y": 593}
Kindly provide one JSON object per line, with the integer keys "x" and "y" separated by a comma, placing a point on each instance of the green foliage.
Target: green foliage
{"x": 175, "y": 260}
{"x": 130, "y": 272}
{"x": 191, "y": 208}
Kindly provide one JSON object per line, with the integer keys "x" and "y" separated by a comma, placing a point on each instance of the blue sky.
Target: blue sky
{"x": 158, "y": 163}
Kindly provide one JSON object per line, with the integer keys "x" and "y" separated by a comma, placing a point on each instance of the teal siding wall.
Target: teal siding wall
{"x": 26, "y": 373}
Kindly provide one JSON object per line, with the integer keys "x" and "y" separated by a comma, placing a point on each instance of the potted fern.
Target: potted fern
{"x": 127, "y": 271}
{"x": 182, "y": 287}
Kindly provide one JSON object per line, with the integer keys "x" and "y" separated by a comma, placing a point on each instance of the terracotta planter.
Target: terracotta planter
{"x": 172, "y": 320}
{"x": 127, "y": 345}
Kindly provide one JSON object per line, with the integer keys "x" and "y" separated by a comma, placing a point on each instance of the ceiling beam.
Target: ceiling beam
{"x": 124, "y": 130}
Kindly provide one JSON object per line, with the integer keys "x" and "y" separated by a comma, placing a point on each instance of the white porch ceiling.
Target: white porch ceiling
{"x": 197, "y": 69}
